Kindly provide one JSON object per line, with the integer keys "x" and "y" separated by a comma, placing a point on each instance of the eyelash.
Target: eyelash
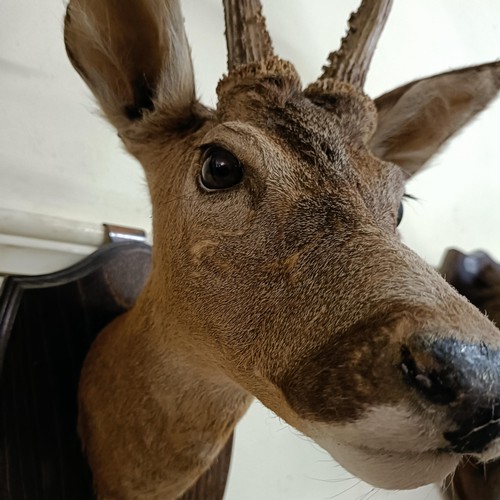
{"x": 408, "y": 196}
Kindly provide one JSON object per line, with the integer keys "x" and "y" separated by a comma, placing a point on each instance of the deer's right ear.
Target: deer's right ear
{"x": 134, "y": 56}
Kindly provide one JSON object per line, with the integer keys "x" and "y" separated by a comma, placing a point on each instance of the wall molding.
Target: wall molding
{"x": 32, "y": 244}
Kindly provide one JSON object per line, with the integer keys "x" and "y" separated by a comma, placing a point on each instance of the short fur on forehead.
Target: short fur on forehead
{"x": 355, "y": 110}
{"x": 272, "y": 78}
{"x": 277, "y": 82}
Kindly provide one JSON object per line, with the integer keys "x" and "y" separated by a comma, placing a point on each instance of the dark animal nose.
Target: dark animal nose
{"x": 466, "y": 379}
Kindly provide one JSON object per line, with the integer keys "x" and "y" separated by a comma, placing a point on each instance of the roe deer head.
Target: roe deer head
{"x": 277, "y": 268}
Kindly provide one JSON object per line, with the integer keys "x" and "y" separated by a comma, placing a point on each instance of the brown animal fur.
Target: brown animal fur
{"x": 293, "y": 286}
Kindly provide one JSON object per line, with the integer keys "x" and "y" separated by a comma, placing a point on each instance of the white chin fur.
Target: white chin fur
{"x": 393, "y": 471}
{"x": 389, "y": 447}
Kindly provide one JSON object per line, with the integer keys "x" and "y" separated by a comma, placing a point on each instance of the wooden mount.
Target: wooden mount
{"x": 47, "y": 324}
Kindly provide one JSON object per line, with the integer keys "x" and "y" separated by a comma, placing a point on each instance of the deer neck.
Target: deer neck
{"x": 147, "y": 394}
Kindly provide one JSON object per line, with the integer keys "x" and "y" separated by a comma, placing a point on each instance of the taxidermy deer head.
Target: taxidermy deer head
{"x": 277, "y": 268}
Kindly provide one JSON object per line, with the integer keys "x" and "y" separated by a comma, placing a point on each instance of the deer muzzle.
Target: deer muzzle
{"x": 464, "y": 378}
{"x": 400, "y": 402}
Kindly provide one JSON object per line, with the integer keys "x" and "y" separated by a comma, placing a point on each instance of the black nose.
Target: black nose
{"x": 465, "y": 378}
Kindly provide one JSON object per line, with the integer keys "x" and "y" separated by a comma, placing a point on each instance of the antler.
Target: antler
{"x": 246, "y": 34}
{"x": 350, "y": 63}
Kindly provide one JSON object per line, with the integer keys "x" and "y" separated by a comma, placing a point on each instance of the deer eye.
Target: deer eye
{"x": 220, "y": 170}
{"x": 400, "y": 214}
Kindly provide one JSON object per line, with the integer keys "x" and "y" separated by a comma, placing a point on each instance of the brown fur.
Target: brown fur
{"x": 292, "y": 287}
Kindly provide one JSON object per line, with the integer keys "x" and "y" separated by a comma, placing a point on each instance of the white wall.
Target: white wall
{"x": 58, "y": 158}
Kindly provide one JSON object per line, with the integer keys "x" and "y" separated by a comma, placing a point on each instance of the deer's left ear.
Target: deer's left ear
{"x": 133, "y": 55}
{"x": 415, "y": 120}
